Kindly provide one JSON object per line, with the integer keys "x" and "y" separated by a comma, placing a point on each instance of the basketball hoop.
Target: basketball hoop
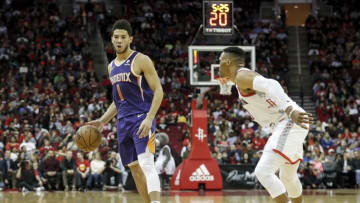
{"x": 225, "y": 86}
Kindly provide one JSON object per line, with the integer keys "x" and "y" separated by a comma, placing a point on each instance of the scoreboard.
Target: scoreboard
{"x": 218, "y": 17}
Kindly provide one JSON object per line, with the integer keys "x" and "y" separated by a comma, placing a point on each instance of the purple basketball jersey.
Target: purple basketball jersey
{"x": 131, "y": 93}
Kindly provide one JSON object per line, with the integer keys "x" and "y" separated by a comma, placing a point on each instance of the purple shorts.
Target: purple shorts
{"x": 129, "y": 144}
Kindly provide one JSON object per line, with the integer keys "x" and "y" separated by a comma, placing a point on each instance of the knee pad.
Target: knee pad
{"x": 146, "y": 162}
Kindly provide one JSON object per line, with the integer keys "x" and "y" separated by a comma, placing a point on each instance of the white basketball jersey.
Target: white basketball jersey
{"x": 287, "y": 137}
{"x": 262, "y": 109}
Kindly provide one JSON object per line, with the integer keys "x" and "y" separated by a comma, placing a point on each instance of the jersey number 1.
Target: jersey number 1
{"x": 119, "y": 92}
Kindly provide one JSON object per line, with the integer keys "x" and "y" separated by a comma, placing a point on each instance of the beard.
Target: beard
{"x": 121, "y": 52}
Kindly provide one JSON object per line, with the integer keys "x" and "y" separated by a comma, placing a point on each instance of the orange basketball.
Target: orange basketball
{"x": 87, "y": 138}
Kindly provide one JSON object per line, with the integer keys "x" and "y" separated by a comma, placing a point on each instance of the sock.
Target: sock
{"x": 155, "y": 201}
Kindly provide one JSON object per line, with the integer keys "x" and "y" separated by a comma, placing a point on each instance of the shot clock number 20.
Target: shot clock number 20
{"x": 218, "y": 17}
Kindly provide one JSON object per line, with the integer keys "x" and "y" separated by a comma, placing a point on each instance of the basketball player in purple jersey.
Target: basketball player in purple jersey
{"x": 137, "y": 95}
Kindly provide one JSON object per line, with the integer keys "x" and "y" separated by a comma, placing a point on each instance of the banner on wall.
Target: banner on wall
{"x": 233, "y": 177}
{"x": 238, "y": 176}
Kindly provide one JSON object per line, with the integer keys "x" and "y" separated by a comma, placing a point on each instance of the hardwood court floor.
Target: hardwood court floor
{"x": 229, "y": 196}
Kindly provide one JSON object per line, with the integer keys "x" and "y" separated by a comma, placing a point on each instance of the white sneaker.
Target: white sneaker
{"x": 39, "y": 189}
{"x": 24, "y": 189}
{"x": 121, "y": 188}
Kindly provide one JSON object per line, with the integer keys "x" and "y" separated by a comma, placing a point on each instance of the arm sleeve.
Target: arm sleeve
{"x": 275, "y": 92}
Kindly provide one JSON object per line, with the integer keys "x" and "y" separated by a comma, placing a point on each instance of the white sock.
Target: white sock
{"x": 155, "y": 201}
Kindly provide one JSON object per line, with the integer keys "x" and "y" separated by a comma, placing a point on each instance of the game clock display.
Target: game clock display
{"x": 218, "y": 17}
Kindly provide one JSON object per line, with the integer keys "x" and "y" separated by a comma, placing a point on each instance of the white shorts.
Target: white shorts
{"x": 287, "y": 140}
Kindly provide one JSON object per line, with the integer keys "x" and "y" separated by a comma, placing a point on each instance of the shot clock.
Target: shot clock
{"x": 218, "y": 17}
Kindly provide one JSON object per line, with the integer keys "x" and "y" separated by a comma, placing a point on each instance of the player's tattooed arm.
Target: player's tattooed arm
{"x": 143, "y": 64}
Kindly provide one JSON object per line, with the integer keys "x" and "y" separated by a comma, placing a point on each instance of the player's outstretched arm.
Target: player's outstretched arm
{"x": 146, "y": 66}
{"x": 254, "y": 81}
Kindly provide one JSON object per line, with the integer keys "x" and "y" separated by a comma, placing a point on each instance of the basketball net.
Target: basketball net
{"x": 225, "y": 86}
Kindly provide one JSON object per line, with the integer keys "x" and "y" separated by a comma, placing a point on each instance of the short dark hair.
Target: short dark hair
{"x": 236, "y": 51}
{"x": 122, "y": 24}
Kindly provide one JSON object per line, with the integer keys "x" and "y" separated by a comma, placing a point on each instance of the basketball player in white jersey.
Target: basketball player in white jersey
{"x": 269, "y": 106}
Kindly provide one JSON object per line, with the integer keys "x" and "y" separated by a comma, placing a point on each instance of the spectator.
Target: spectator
{"x": 46, "y": 148}
{"x": 245, "y": 159}
{"x": 327, "y": 142}
{"x": 28, "y": 144}
{"x": 8, "y": 169}
{"x": 165, "y": 163}
{"x": 82, "y": 170}
{"x": 29, "y": 178}
{"x": 185, "y": 149}
{"x": 355, "y": 165}
{"x": 97, "y": 167}
{"x": 259, "y": 142}
{"x": 50, "y": 171}
{"x": 12, "y": 144}
{"x": 255, "y": 159}
{"x": 344, "y": 170}
{"x": 310, "y": 178}
{"x": 308, "y": 157}
{"x": 68, "y": 168}
{"x": 114, "y": 173}
{"x": 34, "y": 160}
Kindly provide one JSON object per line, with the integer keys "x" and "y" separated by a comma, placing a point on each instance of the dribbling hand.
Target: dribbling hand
{"x": 145, "y": 127}
{"x": 97, "y": 123}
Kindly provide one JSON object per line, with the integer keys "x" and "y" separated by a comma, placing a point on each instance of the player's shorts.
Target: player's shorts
{"x": 287, "y": 140}
{"x": 129, "y": 143}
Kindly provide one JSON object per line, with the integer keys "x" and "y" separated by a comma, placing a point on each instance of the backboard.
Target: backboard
{"x": 204, "y": 63}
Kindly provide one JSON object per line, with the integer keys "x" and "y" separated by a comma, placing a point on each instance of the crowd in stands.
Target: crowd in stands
{"x": 332, "y": 147}
{"x": 48, "y": 88}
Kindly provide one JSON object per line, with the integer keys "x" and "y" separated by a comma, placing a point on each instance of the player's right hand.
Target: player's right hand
{"x": 97, "y": 123}
{"x": 302, "y": 118}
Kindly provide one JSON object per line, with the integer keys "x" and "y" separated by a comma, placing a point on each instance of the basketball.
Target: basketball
{"x": 87, "y": 138}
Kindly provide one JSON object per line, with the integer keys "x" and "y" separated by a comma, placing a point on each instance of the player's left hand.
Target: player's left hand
{"x": 302, "y": 118}
{"x": 145, "y": 127}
